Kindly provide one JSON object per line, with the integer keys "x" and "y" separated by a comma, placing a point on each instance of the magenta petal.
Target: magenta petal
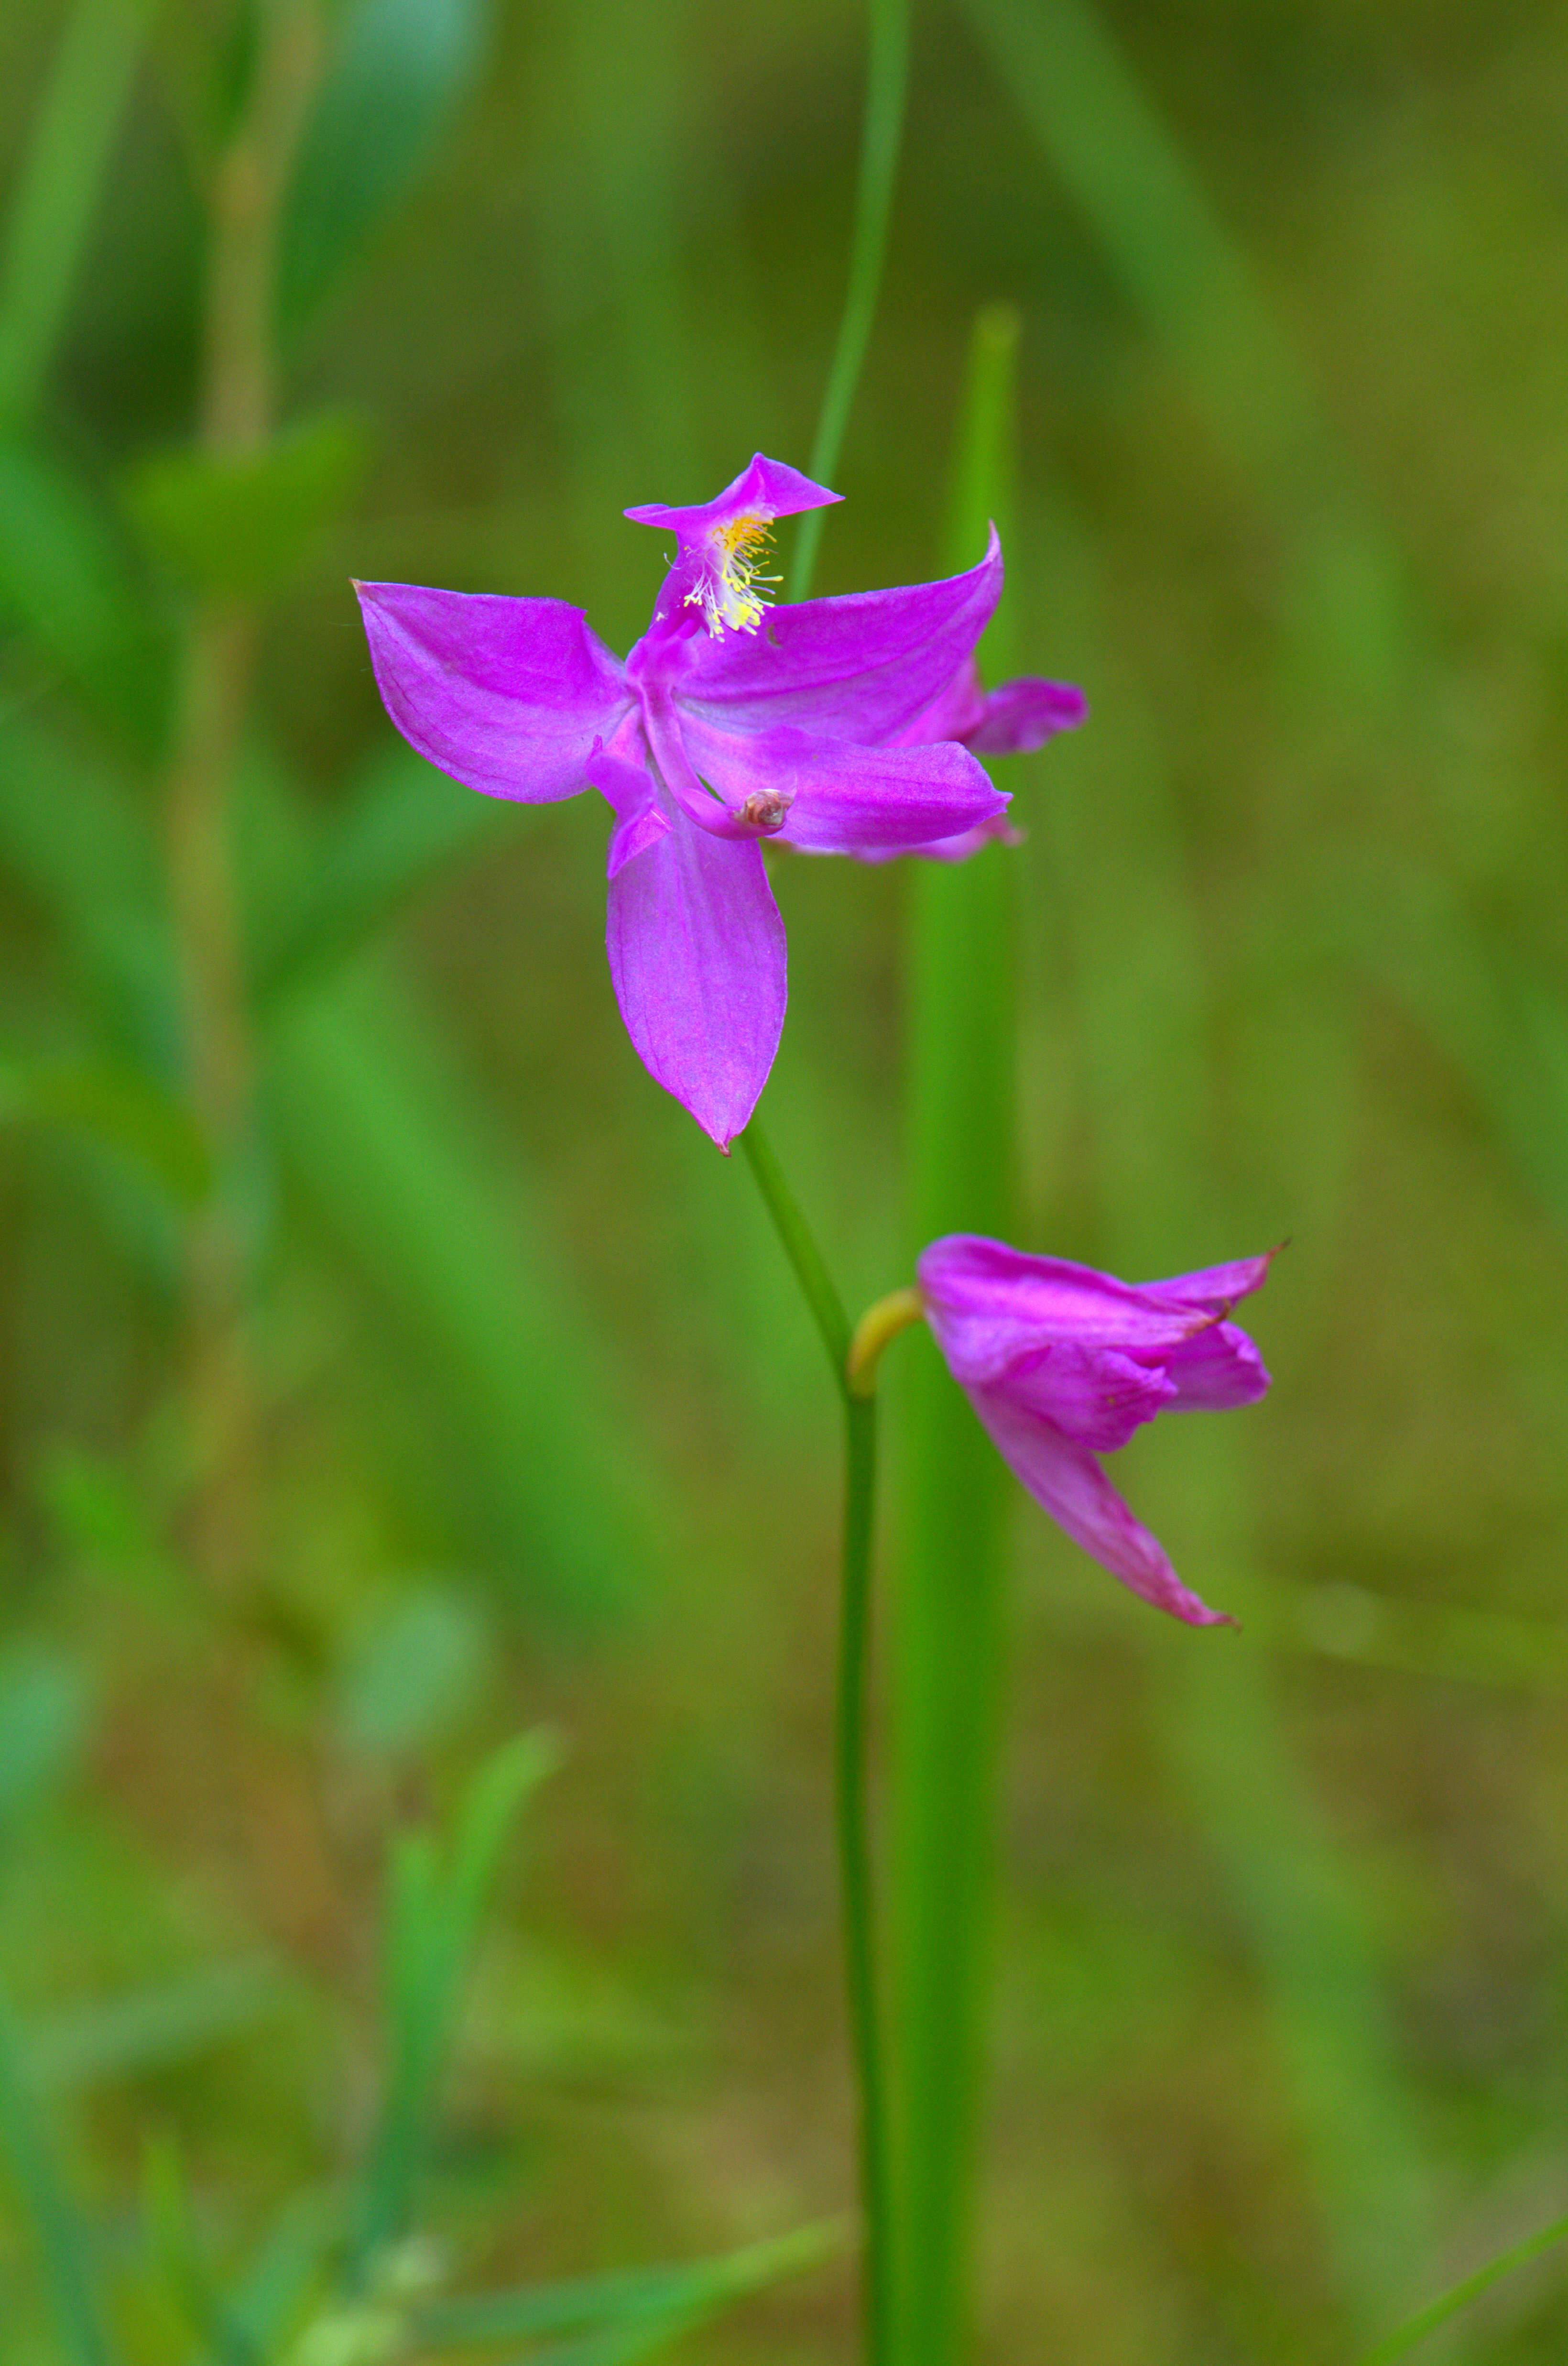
{"x": 1068, "y": 1483}
{"x": 1024, "y": 714}
{"x": 991, "y": 1305}
{"x": 506, "y": 695}
{"x": 768, "y": 488}
{"x": 628, "y": 788}
{"x": 861, "y": 667}
{"x": 841, "y": 797}
{"x": 1217, "y": 1287}
{"x": 1096, "y": 1396}
{"x": 696, "y": 954}
{"x": 1214, "y": 1369}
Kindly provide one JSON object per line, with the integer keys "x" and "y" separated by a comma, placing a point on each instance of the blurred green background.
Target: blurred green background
{"x": 387, "y": 1364}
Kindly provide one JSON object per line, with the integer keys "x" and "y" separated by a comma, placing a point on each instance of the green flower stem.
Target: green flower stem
{"x": 945, "y": 1682}
{"x": 887, "y": 82}
{"x": 850, "y": 1751}
{"x": 1438, "y": 2311}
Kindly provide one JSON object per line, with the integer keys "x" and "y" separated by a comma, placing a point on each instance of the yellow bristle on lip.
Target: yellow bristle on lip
{"x": 727, "y": 592}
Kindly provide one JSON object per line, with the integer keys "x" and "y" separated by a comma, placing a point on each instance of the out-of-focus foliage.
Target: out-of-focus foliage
{"x": 537, "y": 1428}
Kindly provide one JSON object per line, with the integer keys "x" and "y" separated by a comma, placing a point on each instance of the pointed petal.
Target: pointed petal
{"x": 991, "y": 1306}
{"x": 861, "y": 667}
{"x": 1068, "y": 1483}
{"x": 1215, "y": 1287}
{"x": 770, "y": 487}
{"x": 506, "y": 695}
{"x": 696, "y": 954}
{"x": 1024, "y": 714}
{"x": 842, "y": 796}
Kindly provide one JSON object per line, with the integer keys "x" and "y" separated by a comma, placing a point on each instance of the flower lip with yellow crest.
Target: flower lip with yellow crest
{"x": 721, "y": 547}
{"x": 726, "y": 590}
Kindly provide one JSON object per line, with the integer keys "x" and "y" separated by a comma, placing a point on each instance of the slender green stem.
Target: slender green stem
{"x": 1438, "y": 2311}
{"x": 850, "y": 1754}
{"x": 887, "y": 81}
{"x": 855, "y": 1857}
{"x": 816, "y": 1282}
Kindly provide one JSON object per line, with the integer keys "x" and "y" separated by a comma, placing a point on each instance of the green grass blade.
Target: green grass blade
{"x": 887, "y": 82}
{"x": 1347, "y": 600}
{"x": 401, "y": 70}
{"x": 1438, "y": 2311}
{"x": 43, "y": 1722}
{"x": 407, "y": 826}
{"x": 58, "y": 2233}
{"x": 52, "y": 207}
{"x": 945, "y": 1704}
{"x": 175, "y": 2251}
{"x": 433, "y": 1918}
{"x": 1117, "y": 159}
{"x": 116, "y": 1106}
{"x": 694, "y": 2287}
{"x": 148, "y": 2029}
{"x": 372, "y": 1125}
{"x": 260, "y": 2304}
{"x": 66, "y": 583}
{"x": 619, "y": 2344}
{"x": 71, "y": 838}
{"x": 1112, "y": 862}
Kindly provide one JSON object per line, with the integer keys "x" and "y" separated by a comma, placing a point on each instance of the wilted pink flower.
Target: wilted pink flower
{"x": 1062, "y": 1363}
{"x": 726, "y": 724}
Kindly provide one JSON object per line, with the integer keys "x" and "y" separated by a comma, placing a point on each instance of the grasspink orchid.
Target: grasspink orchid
{"x": 1062, "y": 1363}
{"x": 836, "y": 726}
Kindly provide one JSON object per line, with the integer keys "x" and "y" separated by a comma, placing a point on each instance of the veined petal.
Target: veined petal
{"x": 696, "y": 953}
{"x": 628, "y": 787}
{"x": 840, "y": 797}
{"x": 1068, "y": 1483}
{"x": 993, "y": 1307}
{"x": 1096, "y": 1396}
{"x": 1007, "y": 721}
{"x": 506, "y": 695}
{"x": 861, "y": 667}
{"x": 1024, "y": 714}
{"x": 1214, "y": 1369}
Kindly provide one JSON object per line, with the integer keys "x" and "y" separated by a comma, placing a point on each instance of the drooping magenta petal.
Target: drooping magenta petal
{"x": 956, "y": 711}
{"x": 1068, "y": 1483}
{"x": 861, "y": 667}
{"x": 841, "y": 797}
{"x": 1215, "y": 1288}
{"x": 507, "y": 695}
{"x": 766, "y": 488}
{"x": 697, "y": 955}
{"x": 1007, "y": 721}
{"x": 1024, "y": 714}
{"x": 1216, "y": 1369}
{"x": 1096, "y": 1396}
{"x": 991, "y": 1305}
